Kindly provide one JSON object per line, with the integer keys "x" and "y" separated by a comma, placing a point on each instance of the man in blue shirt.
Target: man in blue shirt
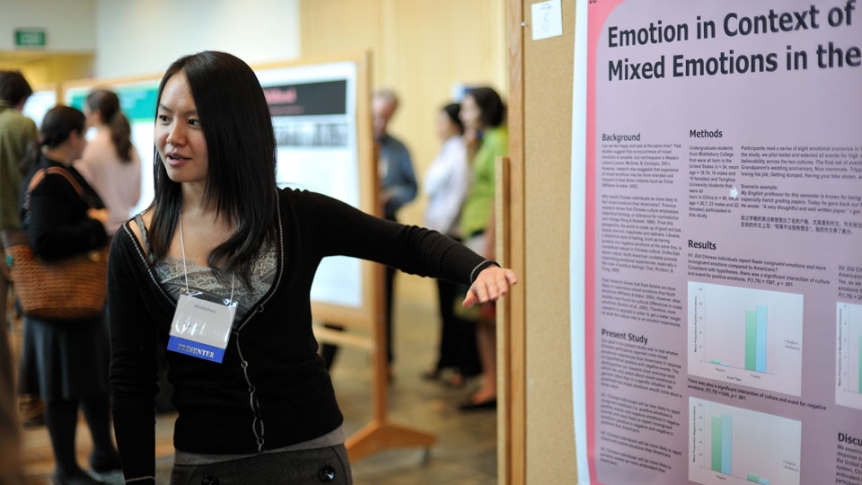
{"x": 397, "y": 179}
{"x": 397, "y": 182}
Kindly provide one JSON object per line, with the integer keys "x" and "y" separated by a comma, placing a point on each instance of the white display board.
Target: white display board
{"x": 314, "y": 117}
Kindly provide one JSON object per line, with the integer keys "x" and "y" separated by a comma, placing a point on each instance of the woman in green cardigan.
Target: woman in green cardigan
{"x": 484, "y": 116}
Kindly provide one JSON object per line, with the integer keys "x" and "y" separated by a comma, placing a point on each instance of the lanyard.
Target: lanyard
{"x": 201, "y": 326}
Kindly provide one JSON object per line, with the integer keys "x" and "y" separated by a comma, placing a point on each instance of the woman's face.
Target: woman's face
{"x": 89, "y": 115}
{"x": 78, "y": 142}
{"x": 179, "y": 136}
{"x": 445, "y": 128}
{"x": 470, "y": 114}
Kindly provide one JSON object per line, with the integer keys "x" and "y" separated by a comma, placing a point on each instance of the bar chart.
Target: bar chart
{"x": 730, "y": 445}
{"x": 848, "y": 382}
{"x": 747, "y": 336}
{"x": 755, "y": 339}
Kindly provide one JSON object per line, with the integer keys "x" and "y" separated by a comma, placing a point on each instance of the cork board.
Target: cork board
{"x": 541, "y": 146}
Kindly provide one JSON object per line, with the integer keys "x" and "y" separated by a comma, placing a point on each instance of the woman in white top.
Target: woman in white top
{"x": 110, "y": 163}
{"x": 446, "y": 184}
{"x": 448, "y": 178}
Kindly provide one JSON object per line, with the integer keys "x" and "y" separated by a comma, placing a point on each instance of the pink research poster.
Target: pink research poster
{"x": 723, "y": 314}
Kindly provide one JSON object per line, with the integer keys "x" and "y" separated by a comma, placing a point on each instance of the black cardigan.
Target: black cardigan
{"x": 271, "y": 373}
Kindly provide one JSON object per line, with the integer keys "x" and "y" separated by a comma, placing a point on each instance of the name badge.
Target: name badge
{"x": 201, "y": 326}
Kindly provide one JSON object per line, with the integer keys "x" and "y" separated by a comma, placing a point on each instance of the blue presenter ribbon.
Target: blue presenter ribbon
{"x": 195, "y": 349}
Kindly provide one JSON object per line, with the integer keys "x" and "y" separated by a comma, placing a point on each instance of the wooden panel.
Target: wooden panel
{"x": 48, "y": 68}
{"x": 547, "y": 111}
{"x": 512, "y": 425}
{"x": 330, "y": 27}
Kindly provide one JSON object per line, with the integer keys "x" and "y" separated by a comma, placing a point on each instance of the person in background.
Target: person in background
{"x": 255, "y": 404}
{"x": 447, "y": 182}
{"x": 397, "y": 184}
{"x": 397, "y": 187}
{"x": 65, "y": 362}
{"x": 16, "y": 133}
{"x": 110, "y": 162}
{"x": 486, "y": 138}
{"x": 398, "y": 181}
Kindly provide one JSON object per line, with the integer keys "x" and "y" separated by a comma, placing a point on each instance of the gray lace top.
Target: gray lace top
{"x": 173, "y": 278}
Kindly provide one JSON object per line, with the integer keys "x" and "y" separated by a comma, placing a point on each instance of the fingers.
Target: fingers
{"x": 478, "y": 294}
{"x": 470, "y": 300}
{"x": 490, "y": 285}
{"x": 511, "y": 277}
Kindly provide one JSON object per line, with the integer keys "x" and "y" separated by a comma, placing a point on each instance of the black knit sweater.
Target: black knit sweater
{"x": 271, "y": 389}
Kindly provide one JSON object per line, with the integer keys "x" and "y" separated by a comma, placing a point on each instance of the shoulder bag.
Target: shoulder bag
{"x": 73, "y": 288}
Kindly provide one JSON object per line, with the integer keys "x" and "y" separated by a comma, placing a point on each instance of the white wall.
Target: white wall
{"x": 138, "y": 37}
{"x": 70, "y": 25}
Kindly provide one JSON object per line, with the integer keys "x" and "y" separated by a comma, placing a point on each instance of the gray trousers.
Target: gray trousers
{"x": 303, "y": 467}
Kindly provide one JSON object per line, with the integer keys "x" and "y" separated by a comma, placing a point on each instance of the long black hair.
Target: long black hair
{"x": 241, "y": 147}
{"x": 108, "y": 104}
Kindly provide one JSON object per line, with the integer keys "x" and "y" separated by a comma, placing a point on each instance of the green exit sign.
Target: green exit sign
{"x": 30, "y": 38}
